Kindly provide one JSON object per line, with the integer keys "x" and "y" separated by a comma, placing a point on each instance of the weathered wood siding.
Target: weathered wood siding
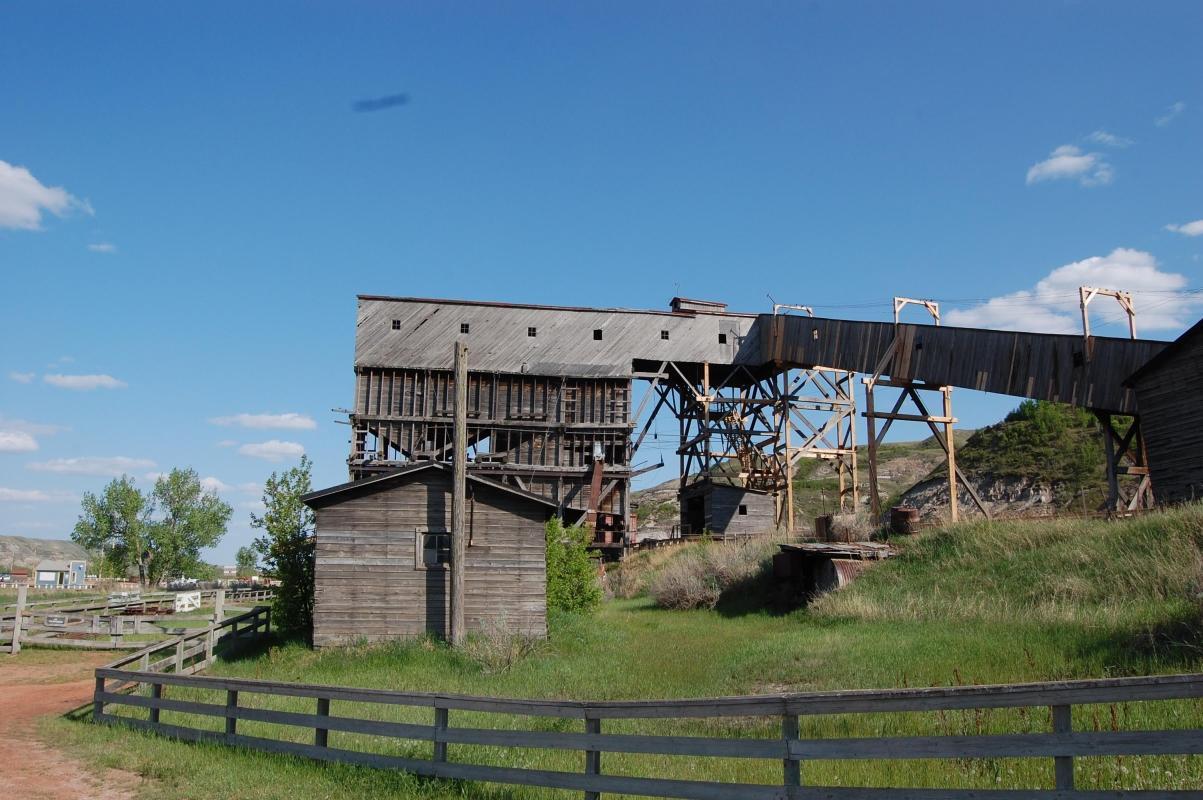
{"x": 721, "y": 511}
{"x": 723, "y": 515}
{"x": 1170, "y": 399}
{"x": 368, "y": 584}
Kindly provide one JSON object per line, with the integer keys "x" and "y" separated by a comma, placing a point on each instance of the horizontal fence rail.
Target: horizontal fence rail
{"x": 1061, "y": 745}
{"x": 64, "y": 624}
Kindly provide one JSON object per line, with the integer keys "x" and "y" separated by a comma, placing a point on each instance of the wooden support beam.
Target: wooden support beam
{"x": 459, "y": 473}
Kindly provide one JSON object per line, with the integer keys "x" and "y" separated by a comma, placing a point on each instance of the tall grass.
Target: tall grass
{"x": 979, "y": 603}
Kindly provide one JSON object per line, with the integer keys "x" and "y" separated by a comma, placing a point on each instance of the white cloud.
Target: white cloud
{"x": 273, "y": 450}
{"x": 1188, "y": 228}
{"x": 250, "y": 488}
{"x": 22, "y": 377}
{"x": 1052, "y": 305}
{"x": 291, "y": 420}
{"x": 84, "y": 383}
{"x": 228, "y": 443}
{"x": 215, "y": 485}
{"x": 1170, "y": 114}
{"x": 1110, "y": 139}
{"x": 17, "y": 442}
{"x": 32, "y": 496}
{"x": 105, "y": 467}
{"x": 1069, "y": 162}
{"x": 103, "y": 247}
{"x": 35, "y": 428}
{"x": 23, "y": 198}
{"x": 255, "y": 506}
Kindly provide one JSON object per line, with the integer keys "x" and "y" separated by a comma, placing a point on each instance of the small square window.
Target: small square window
{"x": 722, "y": 338}
{"x": 463, "y": 327}
{"x": 433, "y": 549}
{"x": 532, "y": 331}
{"x": 664, "y": 335}
{"x": 597, "y": 334}
{"x": 396, "y": 324}
{"x": 743, "y": 511}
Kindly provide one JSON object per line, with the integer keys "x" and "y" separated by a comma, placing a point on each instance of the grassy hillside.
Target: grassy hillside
{"x": 977, "y": 603}
{"x": 1051, "y": 446}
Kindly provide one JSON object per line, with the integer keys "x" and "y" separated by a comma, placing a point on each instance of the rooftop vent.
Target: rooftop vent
{"x": 679, "y": 304}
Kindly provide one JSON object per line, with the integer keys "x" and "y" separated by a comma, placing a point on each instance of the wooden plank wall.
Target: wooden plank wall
{"x": 1171, "y": 421}
{"x": 1037, "y": 365}
{"x": 367, "y": 585}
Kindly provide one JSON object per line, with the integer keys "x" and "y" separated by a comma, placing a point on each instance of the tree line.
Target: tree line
{"x": 160, "y": 534}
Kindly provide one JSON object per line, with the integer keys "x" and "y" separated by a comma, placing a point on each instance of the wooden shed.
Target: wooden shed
{"x": 383, "y": 546}
{"x": 726, "y": 510}
{"x": 1169, "y": 396}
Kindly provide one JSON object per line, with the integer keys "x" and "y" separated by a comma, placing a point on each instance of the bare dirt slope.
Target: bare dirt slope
{"x": 36, "y": 684}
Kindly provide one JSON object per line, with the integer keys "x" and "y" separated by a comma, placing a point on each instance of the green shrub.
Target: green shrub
{"x": 571, "y": 577}
{"x": 699, "y": 576}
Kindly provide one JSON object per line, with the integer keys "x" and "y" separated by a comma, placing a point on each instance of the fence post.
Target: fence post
{"x": 179, "y": 655}
{"x": 322, "y": 735}
{"x": 22, "y": 592}
{"x": 592, "y": 757}
{"x": 791, "y": 767}
{"x": 231, "y": 706}
{"x": 219, "y": 606}
{"x": 440, "y": 726}
{"x": 97, "y": 703}
{"x": 156, "y": 691}
{"x": 1063, "y": 766}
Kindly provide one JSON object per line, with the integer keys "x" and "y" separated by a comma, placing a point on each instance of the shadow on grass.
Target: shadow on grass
{"x": 758, "y": 594}
{"x": 1174, "y": 643}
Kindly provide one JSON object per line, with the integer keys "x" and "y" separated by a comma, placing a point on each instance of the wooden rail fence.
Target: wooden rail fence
{"x": 1061, "y": 745}
{"x": 107, "y": 621}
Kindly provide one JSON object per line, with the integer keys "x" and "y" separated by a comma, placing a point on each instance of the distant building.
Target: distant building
{"x": 61, "y": 574}
{"x": 229, "y": 572}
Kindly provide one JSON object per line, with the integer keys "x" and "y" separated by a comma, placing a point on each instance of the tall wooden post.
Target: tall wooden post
{"x": 789, "y": 464}
{"x": 952, "y": 453}
{"x": 22, "y": 593}
{"x": 459, "y": 469}
{"x": 871, "y": 431}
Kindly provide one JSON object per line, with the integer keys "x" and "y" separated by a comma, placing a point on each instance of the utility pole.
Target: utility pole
{"x": 459, "y": 469}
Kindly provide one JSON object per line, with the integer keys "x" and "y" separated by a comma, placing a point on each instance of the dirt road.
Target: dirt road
{"x": 36, "y": 684}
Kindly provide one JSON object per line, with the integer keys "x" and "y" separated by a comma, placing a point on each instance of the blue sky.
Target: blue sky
{"x": 189, "y": 204}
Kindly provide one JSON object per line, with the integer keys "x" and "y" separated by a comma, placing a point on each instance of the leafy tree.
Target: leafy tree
{"x": 571, "y": 577}
{"x": 287, "y": 547}
{"x": 247, "y": 560}
{"x": 192, "y": 518}
{"x": 115, "y": 524}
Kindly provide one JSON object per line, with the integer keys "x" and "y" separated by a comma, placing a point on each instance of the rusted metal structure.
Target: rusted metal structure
{"x": 550, "y": 390}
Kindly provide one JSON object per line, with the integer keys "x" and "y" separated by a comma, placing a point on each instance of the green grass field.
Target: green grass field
{"x": 980, "y": 603}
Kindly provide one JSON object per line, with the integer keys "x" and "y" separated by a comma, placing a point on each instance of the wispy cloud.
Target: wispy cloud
{"x": 215, "y": 485}
{"x": 1188, "y": 228}
{"x": 1068, "y": 162}
{"x": 1052, "y": 305}
{"x": 273, "y": 450}
{"x": 103, "y": 247}
{"x": 1171, "y": 114}
{"x": 22, "y": 377}
{"x": 290, "y": 420}
{"x": 18, "y": 435}
{"x": 33, "y": 496}
{"x": 23, "y": 199}
{"x": 84, "y": 383}
{"x": 100, "y": 466}
{"x": 17, "y": 442}
{"x": 1110, "y": 139}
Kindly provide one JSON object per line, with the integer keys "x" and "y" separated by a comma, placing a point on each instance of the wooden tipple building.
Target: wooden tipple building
{"x": 560, "y": 399}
